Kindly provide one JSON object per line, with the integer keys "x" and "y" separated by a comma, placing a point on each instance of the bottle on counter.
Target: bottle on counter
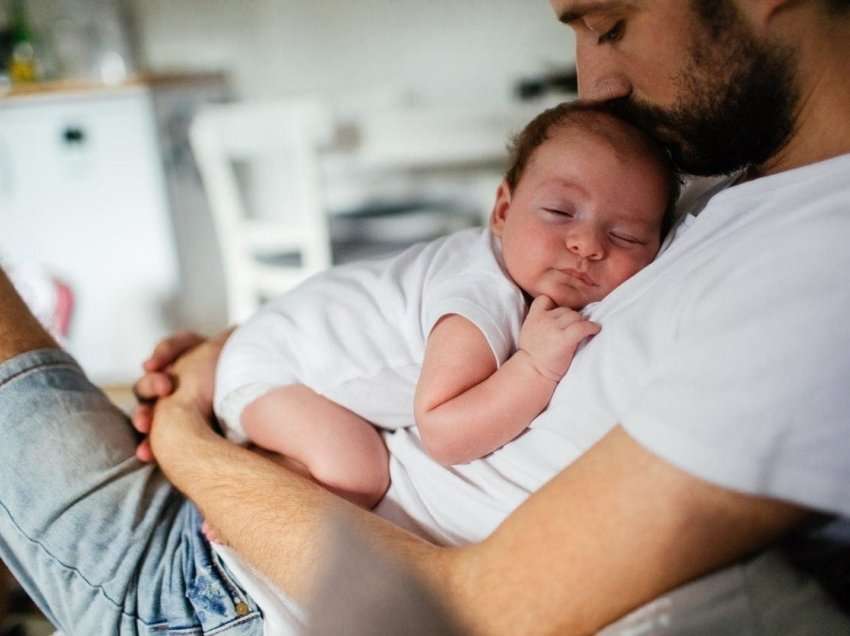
{"x": 24, "y": 63}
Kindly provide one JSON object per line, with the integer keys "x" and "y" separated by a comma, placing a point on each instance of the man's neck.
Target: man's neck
{"x": 822, "y": 123}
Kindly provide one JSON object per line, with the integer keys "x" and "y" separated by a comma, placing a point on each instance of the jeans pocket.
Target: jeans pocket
{"x": 219, "y": 602}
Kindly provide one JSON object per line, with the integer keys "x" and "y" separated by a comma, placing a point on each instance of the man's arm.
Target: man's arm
{"x": 615, "y": 529}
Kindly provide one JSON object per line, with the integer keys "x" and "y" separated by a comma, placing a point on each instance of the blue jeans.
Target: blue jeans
{"x": 103, "y": 543}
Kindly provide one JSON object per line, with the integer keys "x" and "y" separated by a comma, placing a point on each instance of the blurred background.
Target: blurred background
{"x": 362, "y": 126}
{"x": 169, "y": 164}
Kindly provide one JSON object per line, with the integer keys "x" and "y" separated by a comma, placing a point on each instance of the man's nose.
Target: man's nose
{"x": 599, "y": 77}
{"x": 586, "y": 243}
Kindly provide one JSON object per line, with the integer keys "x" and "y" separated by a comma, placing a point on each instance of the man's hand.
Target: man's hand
{"x": 160, "y": 379}
{"x": 550, "y": 336}
{"x": 193, "y": 374}
{"x": 185, "y": 416}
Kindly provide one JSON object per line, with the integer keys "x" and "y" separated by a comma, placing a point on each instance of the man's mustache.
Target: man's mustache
{"x": 668, "y": 129}
{"x": 648, "y": 118}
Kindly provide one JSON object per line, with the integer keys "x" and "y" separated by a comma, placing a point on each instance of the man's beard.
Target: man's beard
{"x": 737, "y": 104}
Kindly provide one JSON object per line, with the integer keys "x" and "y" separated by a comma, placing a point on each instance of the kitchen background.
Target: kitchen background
{"x": 99, "y": 186}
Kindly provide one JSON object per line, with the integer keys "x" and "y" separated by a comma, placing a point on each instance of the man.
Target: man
{"x": 722, "y": 425}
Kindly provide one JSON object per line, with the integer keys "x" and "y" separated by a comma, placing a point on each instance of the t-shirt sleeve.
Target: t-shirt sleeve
{"x": 752, "y": 390}
{"x": 489, "y": 301}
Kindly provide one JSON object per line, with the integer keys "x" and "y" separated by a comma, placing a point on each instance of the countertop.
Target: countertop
{"x": 137, "y": 81}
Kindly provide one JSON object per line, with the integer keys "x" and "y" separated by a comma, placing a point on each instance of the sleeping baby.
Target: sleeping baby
{"x": 464, "y": 337}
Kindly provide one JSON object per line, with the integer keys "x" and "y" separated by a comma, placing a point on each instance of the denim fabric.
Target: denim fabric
{"x": 102, "y": 543}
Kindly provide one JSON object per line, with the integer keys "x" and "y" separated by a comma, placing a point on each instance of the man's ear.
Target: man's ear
{"x": 500, "y": 209}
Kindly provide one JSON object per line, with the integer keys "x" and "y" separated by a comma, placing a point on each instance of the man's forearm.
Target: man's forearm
{"x": 612, "y": 531}
{"x": 273, "y": 517}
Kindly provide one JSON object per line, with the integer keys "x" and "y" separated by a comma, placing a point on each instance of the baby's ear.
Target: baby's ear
{"x": 500, "y": 208}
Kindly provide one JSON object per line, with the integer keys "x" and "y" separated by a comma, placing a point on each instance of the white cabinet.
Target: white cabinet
{"x": 84, "y": 192}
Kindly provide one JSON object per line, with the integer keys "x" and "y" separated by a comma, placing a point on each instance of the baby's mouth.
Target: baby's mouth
{"x": 580, "y": 276}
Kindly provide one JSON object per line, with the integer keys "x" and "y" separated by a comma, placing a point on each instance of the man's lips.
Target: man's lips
{"x": 581, "y": 276}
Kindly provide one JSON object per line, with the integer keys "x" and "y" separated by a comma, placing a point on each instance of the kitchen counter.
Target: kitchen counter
{"x": 68, "y": 87}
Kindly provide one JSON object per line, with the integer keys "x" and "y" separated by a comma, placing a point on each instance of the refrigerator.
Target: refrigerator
{"x": 98, "y": 187}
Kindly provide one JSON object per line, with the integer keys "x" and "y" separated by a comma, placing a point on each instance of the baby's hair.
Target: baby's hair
{"x": 594, "y": 117}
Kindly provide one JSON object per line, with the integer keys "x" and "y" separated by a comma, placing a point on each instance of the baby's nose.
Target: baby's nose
{"x": 585, "y": 244}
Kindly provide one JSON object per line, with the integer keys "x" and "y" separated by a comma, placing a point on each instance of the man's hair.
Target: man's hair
{"x": 838, "y": 7}
{"x": 716, "y": 13}
{"x": 590, "y": 117}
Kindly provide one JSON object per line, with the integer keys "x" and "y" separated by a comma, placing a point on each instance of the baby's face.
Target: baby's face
{"x": 582, "y": 219}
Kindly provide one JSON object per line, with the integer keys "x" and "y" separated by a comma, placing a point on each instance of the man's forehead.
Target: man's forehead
{"x": 570, "y": 10}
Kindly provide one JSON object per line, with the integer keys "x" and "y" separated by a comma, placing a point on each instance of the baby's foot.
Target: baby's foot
{"x": 211, "y": 534}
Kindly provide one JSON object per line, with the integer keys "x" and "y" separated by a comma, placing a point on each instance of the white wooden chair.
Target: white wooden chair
{"x": 287, "y": 135}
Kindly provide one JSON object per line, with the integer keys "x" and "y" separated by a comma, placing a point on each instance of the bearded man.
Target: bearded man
{"x": 723, "y": 429}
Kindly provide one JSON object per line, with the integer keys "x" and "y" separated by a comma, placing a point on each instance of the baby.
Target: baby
{"x": 442, "y": 334}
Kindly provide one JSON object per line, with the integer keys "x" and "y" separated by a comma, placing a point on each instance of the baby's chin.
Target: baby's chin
{"x": 575, "y": 299}
{"x": 565, "y": 295}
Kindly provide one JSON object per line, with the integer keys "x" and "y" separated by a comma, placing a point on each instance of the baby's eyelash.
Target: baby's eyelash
{"x": 628, "y": 239}
{"x": 566, "y": 213}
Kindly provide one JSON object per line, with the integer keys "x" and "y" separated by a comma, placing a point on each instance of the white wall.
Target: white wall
{"x": 436, "y": 50}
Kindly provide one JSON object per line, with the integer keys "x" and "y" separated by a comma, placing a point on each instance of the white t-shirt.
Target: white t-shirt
{"x": 357, "y": 333}
{"x": 729, "y": 356}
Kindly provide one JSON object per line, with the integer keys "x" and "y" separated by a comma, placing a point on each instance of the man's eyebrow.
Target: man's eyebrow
{"x": 583, "y": 8}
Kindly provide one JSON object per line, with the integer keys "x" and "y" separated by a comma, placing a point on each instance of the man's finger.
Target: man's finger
{"x": 144, "y": 452}
{"x": 142, "y": 418}
{"x": 168, "y": 350}
{"x": 152, "y": 386}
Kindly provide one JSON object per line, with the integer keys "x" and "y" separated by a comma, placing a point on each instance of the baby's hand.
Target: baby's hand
{"x": 551, "y": 334}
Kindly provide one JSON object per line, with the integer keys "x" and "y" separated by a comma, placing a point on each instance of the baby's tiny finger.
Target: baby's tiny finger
{"x": 584, "y": 329}
{"x": 541, "y": 303}
{"x": 566, "y": 316}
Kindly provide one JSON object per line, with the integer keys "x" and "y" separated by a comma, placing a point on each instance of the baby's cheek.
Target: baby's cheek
{"x": 624, "y": 269}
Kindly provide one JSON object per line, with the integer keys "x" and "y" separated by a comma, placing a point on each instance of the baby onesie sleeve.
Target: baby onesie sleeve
{"x": 468, "y": 280}
{"x": 256, "y": 358}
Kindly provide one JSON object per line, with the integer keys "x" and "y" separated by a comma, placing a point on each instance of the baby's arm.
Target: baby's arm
{"x": 465, "y": 408}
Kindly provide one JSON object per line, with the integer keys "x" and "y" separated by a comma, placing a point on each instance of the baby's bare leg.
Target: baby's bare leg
{"x": 340, "y": 449}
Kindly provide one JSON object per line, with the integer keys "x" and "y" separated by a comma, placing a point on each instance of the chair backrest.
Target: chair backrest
{"x": 287, "y": 135}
